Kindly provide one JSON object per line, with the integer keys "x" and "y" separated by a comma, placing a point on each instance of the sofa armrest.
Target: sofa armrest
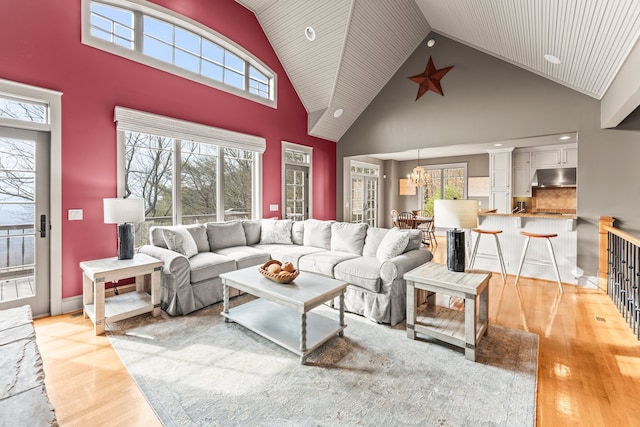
{"x": 174, "y": 262}
{"x": 397, "y": 266}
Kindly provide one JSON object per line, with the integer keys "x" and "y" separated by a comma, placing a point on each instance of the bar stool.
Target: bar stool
{"x": 498, "y": 248}
{"x": 553, "y": 262}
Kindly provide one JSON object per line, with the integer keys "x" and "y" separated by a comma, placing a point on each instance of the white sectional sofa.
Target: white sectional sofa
{"x": 372, "y": 260}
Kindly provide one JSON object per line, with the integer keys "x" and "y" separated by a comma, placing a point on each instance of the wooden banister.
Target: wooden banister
{"x": 605, "y": 223}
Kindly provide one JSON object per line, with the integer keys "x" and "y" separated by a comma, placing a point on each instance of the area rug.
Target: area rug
{"x": 197, "y": 370}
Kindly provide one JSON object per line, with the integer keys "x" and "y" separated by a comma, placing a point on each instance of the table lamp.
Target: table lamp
{"x": 124, "y": 212}
{"x": 456, "y": 214}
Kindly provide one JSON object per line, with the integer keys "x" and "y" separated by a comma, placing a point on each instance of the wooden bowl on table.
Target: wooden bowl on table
{"x": 277, "y": 274}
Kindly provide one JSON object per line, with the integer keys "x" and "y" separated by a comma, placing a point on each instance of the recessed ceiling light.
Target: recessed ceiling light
{"x": 551, "y": 58}
{"x": 431, "y": 43}
{"x": 565, "y": 137}
{"x": 497, "y": 145}
{"x": 310, "y": 34}
{"x": 338, "y": 113}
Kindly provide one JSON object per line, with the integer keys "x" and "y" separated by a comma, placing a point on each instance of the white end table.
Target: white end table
{"x": 103, "y": 310}
{"x": 460, "y": 328}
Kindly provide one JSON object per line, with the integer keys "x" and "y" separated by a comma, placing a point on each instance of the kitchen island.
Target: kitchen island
{"x": 512, "y": 242}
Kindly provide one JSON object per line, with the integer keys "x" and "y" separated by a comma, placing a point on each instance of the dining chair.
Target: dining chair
{"x": 405, "y": 220}
{"x": 428, "y": 232}
{"x": 394, "y": 217}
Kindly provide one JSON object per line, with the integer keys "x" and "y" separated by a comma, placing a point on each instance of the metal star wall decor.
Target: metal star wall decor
{"x": 430, "y": 79}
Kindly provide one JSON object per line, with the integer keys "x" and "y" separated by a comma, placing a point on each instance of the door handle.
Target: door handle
{"x": 43, "y": 226}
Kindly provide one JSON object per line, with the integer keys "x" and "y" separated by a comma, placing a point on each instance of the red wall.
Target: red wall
{"x": 40, "y": 45}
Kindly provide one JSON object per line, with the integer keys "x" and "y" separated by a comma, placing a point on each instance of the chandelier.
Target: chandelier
{"x": 420, "y": 177}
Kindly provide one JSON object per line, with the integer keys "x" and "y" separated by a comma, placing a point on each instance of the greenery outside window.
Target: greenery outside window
{"x": 158, "y": 37}
{"x": 186, "y": 172}
{"x": 447, "y": 182}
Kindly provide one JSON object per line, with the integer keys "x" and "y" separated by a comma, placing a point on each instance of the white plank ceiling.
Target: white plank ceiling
{"x": 360, "y": 44}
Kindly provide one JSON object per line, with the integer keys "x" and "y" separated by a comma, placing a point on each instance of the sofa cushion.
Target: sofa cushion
{"x": 276, "y": 231}
{"x": 288, "y": 253}
{"x": 208, "y": 265}
{"x": 245, "y": 256}
{"x": 415, "y": 240}
{"x": 251, "y": 230}
{"x": 392, "y": 245}
{"x": 362, "y": 271}
{"x": 197, "y": 231}
{"x": 372, "y": 241}
{"x": 317, "y": 233}
{"x": 297, "y": 232}
{"x": 225, "y": 234}
{"x": 178, "y": 239}
{"x": 323, "y": 262}
{"x": 348, "y": 237}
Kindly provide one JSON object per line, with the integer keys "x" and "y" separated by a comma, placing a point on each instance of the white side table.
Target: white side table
{"x": 103, "y": 310}
{"x": 460, "y": 328}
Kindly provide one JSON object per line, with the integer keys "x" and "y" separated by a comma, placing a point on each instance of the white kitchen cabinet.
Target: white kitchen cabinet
{"x": 500, "y": 200}
{"x": 557, "y": 157}
{"x": 500, "y": 173}
{"x": 522, "y": 177}
{"x": 521, "y": 158}
{"x": 500, "y": 170}
{"x": 570, "y": 157}
{"x": 546, "y": 159}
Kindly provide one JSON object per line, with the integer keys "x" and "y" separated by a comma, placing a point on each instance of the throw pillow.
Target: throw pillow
{"x": 225, "y": 235}
{"x": 251, "y": 231}
{"x": 180, "y": 240}
{"x": 347, "y": 237}
{"x": 392, "y": 244}
{"x": 317, "y": 233}
{"x": 276, "y": 231}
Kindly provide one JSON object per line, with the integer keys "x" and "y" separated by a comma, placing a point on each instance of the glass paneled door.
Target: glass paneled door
{"x": 24, "y": 219}
{"x": 296, "y": 192}
{"x": 364, "y": 200}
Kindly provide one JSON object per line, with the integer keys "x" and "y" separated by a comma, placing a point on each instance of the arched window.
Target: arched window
{"x": 160, "y": 38}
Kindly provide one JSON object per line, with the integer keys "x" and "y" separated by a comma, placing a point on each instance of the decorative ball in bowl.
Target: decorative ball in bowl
{"x": 278, "y": 271}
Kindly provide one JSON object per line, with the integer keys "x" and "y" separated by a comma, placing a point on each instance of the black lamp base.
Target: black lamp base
{"x": 455, "y": 250}
{"x": 126, "y": 241}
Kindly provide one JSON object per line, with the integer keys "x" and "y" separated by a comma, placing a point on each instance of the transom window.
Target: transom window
{"x": 160, "y": 38}
{"x": 23, "y": 110}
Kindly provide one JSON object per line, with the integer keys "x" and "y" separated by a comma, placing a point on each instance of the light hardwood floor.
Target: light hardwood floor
{"x": 588, "y": 370}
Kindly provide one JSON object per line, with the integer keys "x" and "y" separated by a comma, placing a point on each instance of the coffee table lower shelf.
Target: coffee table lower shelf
{"x": 283, "y": 325}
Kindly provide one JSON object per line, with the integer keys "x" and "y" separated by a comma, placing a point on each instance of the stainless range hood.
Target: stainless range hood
{"x": 558, "y": 177}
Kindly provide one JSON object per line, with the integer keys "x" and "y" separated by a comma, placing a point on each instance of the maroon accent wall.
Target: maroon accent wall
{"x": 40, "y": 44}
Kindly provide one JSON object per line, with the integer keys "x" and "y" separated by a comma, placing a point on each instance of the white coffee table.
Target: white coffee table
{"x": 281, "y": 313}
{"x": 460, "y": 328}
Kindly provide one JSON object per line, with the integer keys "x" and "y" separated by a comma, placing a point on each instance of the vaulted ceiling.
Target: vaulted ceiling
{"x": 360, "y": 44}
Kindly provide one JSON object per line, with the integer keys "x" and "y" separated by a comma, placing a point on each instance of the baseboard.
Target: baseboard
{"x": 75, "y": 303}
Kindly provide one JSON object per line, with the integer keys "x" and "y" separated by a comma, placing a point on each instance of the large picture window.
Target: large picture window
{"x": 186, "y": 172}
{"x": 446, "y": 182}
{"x": 158, "y": 37}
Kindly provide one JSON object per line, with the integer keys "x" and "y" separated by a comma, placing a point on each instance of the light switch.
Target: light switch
{"x": 273, "y": 208}
{"x": 75, "y": 214}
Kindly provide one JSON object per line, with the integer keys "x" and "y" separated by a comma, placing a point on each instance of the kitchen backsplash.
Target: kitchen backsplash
{"x": 561, "y": 200}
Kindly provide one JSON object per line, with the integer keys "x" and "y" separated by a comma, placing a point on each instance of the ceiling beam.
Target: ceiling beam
{"x": 623, "y": 95}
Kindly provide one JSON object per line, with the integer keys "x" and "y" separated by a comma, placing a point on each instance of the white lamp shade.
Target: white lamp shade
{"x": 120, "y": 211}
{"x": 455, "y": 213}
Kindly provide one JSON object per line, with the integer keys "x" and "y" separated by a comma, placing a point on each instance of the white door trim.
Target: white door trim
{"x": 54, "y": 100}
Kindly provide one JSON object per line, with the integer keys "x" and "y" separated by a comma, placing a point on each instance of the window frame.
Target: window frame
{"x": 142, "y": 8}
{"x": 309, "y": 152}
{"x": 181, "y": 130}
{"x": 442, "y": 167}
{"x": 366, "y": 174}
